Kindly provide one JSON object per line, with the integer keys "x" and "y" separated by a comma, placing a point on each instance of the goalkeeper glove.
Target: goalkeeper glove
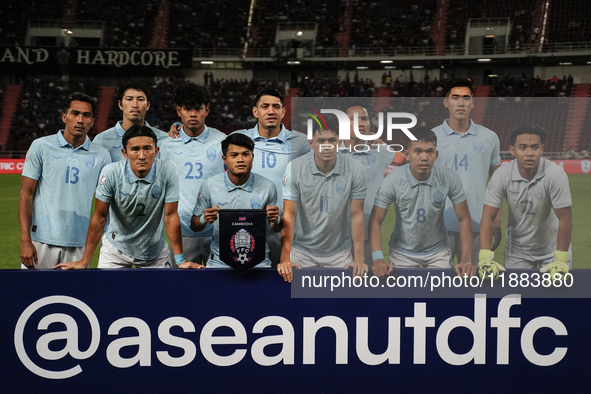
{"x": 558, "y": 266}
{"x": 486, "y": 265}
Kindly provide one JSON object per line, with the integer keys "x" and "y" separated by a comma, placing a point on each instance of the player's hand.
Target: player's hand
{"x": 72, "y": 265}
{"x": 497, "y": 235}
{"x": 211, "y": 214}
{"x": 381, "y": 268}
{"x": 465, "y": 269}
{"x": 273, "y": 213}
{"x": 359, "y": 268}
{"x": 285, "y": 270}
{"x": 376, "y": 142}
{"x": 190, "y": 265}
{"x": 486, "y": 265}
{"x": 175, "y": 130}
{"x": 558, "y": 266}
{"x": 28, "y": 254}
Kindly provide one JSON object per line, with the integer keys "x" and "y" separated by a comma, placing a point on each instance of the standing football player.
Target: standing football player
{"x": 198, "y": 156}
{"x": 134, "y": 101}
{"x": 374, "y": 158}
{"x": 59, "y": 178}
{"x": 472, "y": 151}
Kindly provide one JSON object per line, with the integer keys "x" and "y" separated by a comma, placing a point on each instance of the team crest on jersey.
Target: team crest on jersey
{"x": 538, "y": 192}
{"x": 585, "y": 166}
{"x": 477, "y": 145}
{"x": 102, "y": 179}
{"x": 371, "y": 159}
{"x": 242, "y": 246}
{"x": 341, "y": 187}
{"x": 437, "y": 197}
{"x": 156, "y": 191}
{"x": 211, "y": 153}
{"x": 255, "y": 202}
{"x": 285, "y": 148}
{"x": 90, "y": 161}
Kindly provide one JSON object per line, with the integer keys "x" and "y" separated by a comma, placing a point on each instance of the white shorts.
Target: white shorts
{"x": 521, "y": 260}
{"x": 456, "y": 247}
{"x": 440, "y": 259}
{"x": 48, "y": 256}
{"x": 111, "y": 257}
{"x": 338, "y": 260}
{"x": 274, "y": 243}
{"x": 195, "y": 249}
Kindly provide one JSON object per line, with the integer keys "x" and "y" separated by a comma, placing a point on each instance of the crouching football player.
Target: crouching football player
{"x": 540, "y": 221}
{"x": 418, "y": 191}
{"x": 139, "y": 194}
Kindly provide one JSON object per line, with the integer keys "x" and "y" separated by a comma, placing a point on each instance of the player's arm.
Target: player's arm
{"x": 465, "y": 267}
{"x": 565, "y": 228}
{"x": 380, "y": 267}
{"x": 198, "y": 223}
{"x": 498, "y": 221}
{"x": 274, "y": 217}
{"x": 285, "y": 266}
{"x": 93, "y": 236}
{"x": 358, "y": 234}
{"x": 172, "y": 222}
{"x": 28, "y": 253}
{"x": 486, "y": 226}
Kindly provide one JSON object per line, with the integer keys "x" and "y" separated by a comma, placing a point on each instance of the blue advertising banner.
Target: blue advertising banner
{"x": 217, "y": 331}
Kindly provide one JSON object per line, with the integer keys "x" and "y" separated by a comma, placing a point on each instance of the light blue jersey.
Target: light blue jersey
{"x": 137, "y": 206}
{"x": 323, "y": 222}
{"x": 256, "y": 193}
{"x": 66, "y": 179}
{"x": 111, "y": 139}
{"x": 272, "y": 155}
{"x": 374, "y": 162}
{"x": 470, "y": 155}
{"x": 420, "y": 228}
{"x": 196, "y": 159}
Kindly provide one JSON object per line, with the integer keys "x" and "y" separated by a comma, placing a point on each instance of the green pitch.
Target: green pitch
{"x": 580, "y": 185}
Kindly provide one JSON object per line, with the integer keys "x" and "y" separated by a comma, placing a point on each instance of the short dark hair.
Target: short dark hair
{"x": 237, "y": 139}
{"x": 332, "y": 124}
{"x": 422, "y": 134}
{"x": 132, "y": 84}
{"x": 138, "y": 131}
{"x": 529, "y": 129}
{"x": 79, "y": 96}
{"x": 461, "y": 83}
{"x": 268, "y": 92}
{"x": 190, "y": 96}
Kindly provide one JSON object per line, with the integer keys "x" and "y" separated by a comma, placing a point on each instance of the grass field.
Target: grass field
{"x": 580, "y": 189}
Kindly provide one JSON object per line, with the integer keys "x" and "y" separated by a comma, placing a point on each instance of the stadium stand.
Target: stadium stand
{"x": 213, "y": 24}
{"x": 403, "y": 24}
{"x": 569, "y": 21}
{"x": 128, "y": 24}
{"x": 38, "y": 112}
{"x": 14, "y": 16}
